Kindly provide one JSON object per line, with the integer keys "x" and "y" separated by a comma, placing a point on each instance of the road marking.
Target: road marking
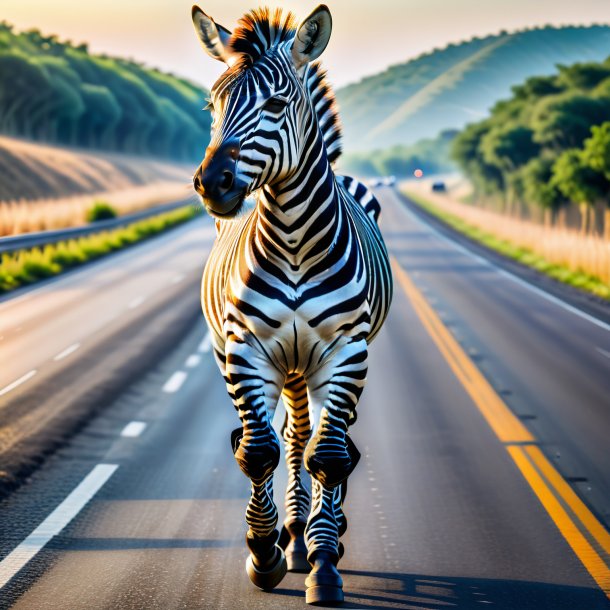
{"x": 18, "y": 382}
{"x": 136, "y": 302}
{"x": 67, "y": 352}
{"x": 603, "y": 352}
{"x": 581, "y": 529}
{"x": 511, "y": 276}
{"x": 206, "y": 344}
{"x": 174, "y": 383}
{"x": 193, "y": 360}
{"x": 55, "y": 522}
{"x": 504, "y": 423}
{"x": 133, "y": 429}
{"x": 583, "y": 549}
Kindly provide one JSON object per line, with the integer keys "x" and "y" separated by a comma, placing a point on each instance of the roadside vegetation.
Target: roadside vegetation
{"x": 18, "y": 217}
{"x": 449, "y": 87}
{"x": 28, "y": 266}
{"x": 55, "y": 91}
{"x": 545, "y": 152}
{"x": 582, "y": 261}
{"x": 431, "y": 155}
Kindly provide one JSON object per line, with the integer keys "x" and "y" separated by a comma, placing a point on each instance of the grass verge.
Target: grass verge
{"x": 28, "y": 266}
{"x": 525, "y": 256}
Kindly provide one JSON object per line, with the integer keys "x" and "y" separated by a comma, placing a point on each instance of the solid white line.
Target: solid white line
{"x": 67, "y": 352}
{"x": 136, "y": 302}
{"x": 206, "y": 344}
{"x": 174, "y": 383}
{"x": 192, "y": 361}
{"x": 55, "y": 522}
{"x": 603, "y": 352}
{"x": 510, "y": 276}
{"x": 18, "y": 382}
{"x": 133, "y": 429}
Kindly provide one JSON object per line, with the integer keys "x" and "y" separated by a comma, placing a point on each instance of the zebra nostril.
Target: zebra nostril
{"x": 197, "y": 182}
{"x": 226, "y": 181}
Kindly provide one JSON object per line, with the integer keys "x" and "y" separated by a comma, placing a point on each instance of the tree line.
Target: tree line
{"x": 58, "y": 92}
{"x": 431, "y": 155}
{"x": 546, "y": 147}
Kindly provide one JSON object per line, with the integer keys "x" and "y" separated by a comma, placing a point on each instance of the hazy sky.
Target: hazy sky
{"x": 367, "y": 36}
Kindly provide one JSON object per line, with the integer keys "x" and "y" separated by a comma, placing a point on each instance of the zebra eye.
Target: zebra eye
{"x": 274, "y": 105}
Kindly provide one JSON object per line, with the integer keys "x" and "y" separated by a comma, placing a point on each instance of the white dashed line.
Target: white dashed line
{"x": 206, "y": 344}
{"x": 55, "y": 522}
{"x": 136, "y": 302}
{"x": 603, "y": 352}
{"x": 192, "y": 361}
{"x": 67, "y": 352}
{"x": 133, "y": 429}
{"x": 18, "y": 382}
{"x": 174, "y": 383}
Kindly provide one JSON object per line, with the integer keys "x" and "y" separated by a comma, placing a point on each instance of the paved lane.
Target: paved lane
{"x": 439, "y": 514}
{"x": 549, "y": 364}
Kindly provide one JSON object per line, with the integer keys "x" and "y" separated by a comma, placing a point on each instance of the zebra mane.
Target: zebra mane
{"x": 262, "y": 29}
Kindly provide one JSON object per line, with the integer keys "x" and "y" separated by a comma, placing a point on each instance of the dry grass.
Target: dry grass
{"x": 46, "y": 187}
{"x": 47, "y": 214}
{"x": 579, "y": 253}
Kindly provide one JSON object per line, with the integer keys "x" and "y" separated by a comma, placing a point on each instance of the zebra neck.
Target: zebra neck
{"x": 300, "y": 217}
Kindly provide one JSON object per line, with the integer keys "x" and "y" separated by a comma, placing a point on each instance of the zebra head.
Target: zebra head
{"x": 261, "y": 106}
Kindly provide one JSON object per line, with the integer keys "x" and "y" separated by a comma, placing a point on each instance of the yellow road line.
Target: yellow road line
{"x": 570, "y": 498}
{"x": 583, "y": 549}
{"x": 578, "y": 532}
{"x": 503, "y": 422}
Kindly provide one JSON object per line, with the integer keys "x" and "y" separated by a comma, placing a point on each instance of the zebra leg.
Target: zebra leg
{"x": 330, "y": 457}
{"x": 257, "y": 450}
{"x": 296, "y": 432}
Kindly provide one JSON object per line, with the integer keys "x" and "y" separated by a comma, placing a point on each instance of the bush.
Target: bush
{"x": 101, "y": 211}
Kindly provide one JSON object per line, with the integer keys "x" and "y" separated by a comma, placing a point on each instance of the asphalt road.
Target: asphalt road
{"x": 439, "y": 514}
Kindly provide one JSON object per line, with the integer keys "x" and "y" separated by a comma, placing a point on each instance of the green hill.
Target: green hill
{"x": 57, "y": 92}
{"x": 448, "y": 88}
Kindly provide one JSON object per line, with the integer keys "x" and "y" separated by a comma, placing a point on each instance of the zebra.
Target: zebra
{"x": 297, "y": 284}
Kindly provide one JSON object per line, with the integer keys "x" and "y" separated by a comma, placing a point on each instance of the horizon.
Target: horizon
{"x": 187, "y": 60}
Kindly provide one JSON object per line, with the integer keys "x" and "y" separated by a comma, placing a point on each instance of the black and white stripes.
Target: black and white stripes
{"x": 298, "y": 282}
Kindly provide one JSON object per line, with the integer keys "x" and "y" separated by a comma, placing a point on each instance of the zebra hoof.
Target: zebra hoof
{"x": 324, "y": 595}
{"x": 269, "y": 577}
{"x": 324, "y": 585}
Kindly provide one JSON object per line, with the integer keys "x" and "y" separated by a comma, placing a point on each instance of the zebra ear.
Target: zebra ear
{"x": 312, "y": 36}
{"x": 213, "y": 37}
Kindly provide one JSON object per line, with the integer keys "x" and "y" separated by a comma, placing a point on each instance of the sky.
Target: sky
{"x": 367, "y": 36}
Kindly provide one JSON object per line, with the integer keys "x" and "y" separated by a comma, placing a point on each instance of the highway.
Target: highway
{"x": 484, "y": 427}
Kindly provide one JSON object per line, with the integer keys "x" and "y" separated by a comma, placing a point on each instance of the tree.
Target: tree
{"x": 564, "y": 121}
{"x": 580, "y": 183}
{"x": 596, "y": 154}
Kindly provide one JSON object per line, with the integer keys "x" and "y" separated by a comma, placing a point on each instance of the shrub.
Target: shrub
{"x": 101, "y": 211}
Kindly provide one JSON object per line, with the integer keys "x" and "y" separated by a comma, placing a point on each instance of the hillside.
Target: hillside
{"x": 57, "y": 92}
{"x": 448, "y": 88}
{"x": 45, "y": 187}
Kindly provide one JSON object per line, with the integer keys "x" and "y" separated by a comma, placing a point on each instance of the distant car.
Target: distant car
{"x": 374, "y": 182}
{"x": 389, "y": 180}
{"x": 439, "y": 187}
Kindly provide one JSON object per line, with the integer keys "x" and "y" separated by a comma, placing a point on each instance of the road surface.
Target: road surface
{"x": 143, "y": 507}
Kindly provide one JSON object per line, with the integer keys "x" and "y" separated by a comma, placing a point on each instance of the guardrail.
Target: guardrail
{"x": 42, "y": 238}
